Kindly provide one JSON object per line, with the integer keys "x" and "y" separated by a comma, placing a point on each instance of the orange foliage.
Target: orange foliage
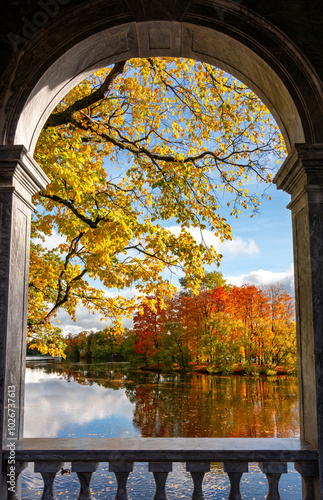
{"x": 223, "y": 326}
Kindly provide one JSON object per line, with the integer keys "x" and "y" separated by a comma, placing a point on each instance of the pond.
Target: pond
{"x": 65, "y": 399}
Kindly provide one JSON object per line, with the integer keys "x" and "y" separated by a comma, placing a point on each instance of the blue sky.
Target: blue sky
{"x": 271, "y": 231}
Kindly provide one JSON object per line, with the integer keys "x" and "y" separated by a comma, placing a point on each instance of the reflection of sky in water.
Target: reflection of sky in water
{"x": 57, "y": 408}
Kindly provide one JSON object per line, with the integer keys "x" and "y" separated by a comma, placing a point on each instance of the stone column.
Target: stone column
{"x": 20, "y": 178}
{"x": 301, "y": 175}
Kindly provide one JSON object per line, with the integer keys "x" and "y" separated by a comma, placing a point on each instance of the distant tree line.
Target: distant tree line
{"x": 227, "y": 328}
{"x": 222, "y": 329}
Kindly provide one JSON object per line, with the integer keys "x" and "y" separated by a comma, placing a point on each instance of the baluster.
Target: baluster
{"x": 84, "y": 471}
{"x": 197, "y": 470}
{"x": 121, "y": 471}
{"x": 309, "y": 471}
{"x": 48, "y": 471}
{"x": 18, "y": 467}
{"x": 235, "y": 471}
{"x": 273, "y": 471}
{"x": 160, "y": 471}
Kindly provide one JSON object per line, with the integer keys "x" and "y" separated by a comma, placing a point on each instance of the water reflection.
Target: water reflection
{"x": 64, "y": 403}
{"x": 111, "y": 400}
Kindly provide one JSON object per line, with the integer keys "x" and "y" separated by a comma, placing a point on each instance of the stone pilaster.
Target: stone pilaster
{"x": 301, "y": 175}
{"x": 20, "y": 178}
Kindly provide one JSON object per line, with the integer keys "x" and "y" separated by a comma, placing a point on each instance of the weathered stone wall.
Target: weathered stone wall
{"x": 287, "y": 37}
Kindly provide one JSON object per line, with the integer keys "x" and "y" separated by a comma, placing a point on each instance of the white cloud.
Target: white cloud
{"x": 231, "y": 248}
{"x": 51, "y": 241}
{"x": 262, "y": 277}
{"x": 86, "y": 320}
{"x": 128, "y": 293}
{"x": 238, "y": 246}
{"x": 59, "y": 403}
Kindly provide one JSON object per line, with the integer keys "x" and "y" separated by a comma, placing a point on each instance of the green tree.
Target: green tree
{"x": 174, "y": 349}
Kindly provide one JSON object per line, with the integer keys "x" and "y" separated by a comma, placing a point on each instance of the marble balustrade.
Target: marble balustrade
{"x": 50, "y": 455}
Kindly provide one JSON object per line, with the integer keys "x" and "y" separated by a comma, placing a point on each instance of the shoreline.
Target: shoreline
{"x": 247, "y": 370}
{"x": 251, "y": 371}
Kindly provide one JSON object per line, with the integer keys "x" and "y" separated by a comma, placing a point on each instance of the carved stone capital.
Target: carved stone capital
{"x": 302, "y": 171}
{"x": 20, "y": 173}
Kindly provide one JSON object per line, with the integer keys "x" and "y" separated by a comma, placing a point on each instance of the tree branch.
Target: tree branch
{"x": 69, "y": 204}
{"x": 64, "y": 117}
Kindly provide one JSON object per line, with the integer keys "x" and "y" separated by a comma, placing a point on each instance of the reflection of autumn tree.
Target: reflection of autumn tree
{"x": 106, "y": 375}
{"x": 206, "y": 406}
{"x": 195, "y": 405}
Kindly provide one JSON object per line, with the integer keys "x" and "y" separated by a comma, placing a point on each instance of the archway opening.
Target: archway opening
{"x": 65, "y": 205}
{"x": 169, "y": 169}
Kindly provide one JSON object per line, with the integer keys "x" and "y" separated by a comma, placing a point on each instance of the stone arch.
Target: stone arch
{"x": 274, "y": 68}
{"x": 148, "y": 39}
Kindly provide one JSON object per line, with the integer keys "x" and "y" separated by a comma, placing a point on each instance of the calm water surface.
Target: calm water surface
{"x": 110, "y": 400}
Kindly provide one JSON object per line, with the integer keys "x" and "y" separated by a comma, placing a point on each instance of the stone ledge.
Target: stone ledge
{"x": 163, "y": 449}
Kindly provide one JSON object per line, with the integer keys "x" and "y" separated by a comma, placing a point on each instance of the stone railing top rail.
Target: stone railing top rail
{"x": 165, "y": 449}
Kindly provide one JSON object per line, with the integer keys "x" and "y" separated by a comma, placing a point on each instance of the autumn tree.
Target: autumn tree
{"x": 199, "y": 311}
{"x": 134, "y": 148}
{"x": 247, "y": 328}
{"x": 280, "y": 347}
{"x": 220, "y": 343}
{"x": 250, "y": 307}
{"x": 213, "y": 331}
{"x": 149, "y": 326}
{"x": 177, "y": 338}
{"x": 210, "y": 281}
